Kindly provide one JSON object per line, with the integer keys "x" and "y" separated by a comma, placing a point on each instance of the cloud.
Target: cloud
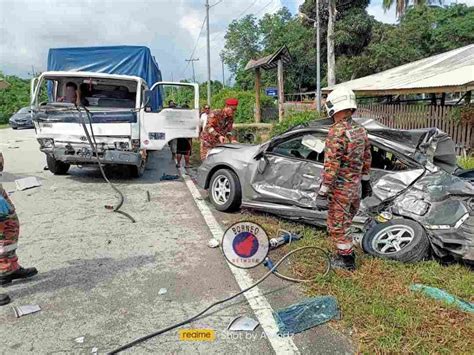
{"x": 28, "y": 28}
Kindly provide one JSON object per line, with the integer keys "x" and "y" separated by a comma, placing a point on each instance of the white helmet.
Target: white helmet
{"x": 340, "y": 99}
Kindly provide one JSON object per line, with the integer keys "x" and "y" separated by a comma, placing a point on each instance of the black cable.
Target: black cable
{"x": 174, "y": 326}
{"x": 93, "y": 144}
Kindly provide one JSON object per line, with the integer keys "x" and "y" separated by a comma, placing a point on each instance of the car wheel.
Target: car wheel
{"x": 57, "y": 167}
{"x": 399, "y": 239}
{"x": 225, "y": 191}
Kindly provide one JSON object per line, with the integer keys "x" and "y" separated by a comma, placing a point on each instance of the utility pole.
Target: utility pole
{"x": 223, "y": 77}
{"x": 208, "y": 56}
{"x": 192, "y": 60}
{"x": 318, "y": 61}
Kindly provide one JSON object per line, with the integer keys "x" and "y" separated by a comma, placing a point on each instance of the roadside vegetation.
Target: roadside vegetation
{"x": 379, "y": 312}
{"x": 466, "y": 162}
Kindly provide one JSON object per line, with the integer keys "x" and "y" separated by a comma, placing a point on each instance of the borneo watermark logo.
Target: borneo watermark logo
{"x": 245, "y": 244}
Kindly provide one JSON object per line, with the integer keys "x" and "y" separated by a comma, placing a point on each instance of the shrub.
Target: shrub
{"x": 245, "y": 110}
{"x": 466, "y": 162}
{"x": 294, "y": 119}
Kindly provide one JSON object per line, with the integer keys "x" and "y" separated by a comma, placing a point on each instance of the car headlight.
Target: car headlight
{"x": 46, "y": 142}
{"x": 214, "y": 151}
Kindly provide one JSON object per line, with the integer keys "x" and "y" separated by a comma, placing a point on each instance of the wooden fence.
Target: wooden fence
{"x": 456, "y": 121}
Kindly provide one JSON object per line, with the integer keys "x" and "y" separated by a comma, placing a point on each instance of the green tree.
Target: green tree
{"x": 402, "y": 5}
{"x": 16, "y": 96}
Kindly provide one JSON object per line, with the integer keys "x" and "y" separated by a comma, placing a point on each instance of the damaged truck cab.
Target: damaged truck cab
{"x": 124, "y": 115}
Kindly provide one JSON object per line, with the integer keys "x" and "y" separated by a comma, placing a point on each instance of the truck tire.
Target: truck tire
{"x": 399, "y": 239}
{"x": 57, "y": 167}
{"x": 138, "y": 171}
{"x": 225, "y": 191}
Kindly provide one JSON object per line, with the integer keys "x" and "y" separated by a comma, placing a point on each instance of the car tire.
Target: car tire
{"x": 223, "y": 200}
{"x": 399, "y": 239}
{"x": 14, "y": 127}
{"x": 138, "y": 171}
{"x": 57, "y": 167}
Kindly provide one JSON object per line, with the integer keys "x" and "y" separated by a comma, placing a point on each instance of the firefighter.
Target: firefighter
{"x": 346, "y": 176}
{"x": 219, "y": 127}
{"x": 9, "y": 230}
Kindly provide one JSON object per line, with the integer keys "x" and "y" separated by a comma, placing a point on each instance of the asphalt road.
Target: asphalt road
{"x": 99, "y": 274}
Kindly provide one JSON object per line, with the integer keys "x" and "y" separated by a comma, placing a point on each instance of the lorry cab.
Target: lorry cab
{"x": 125, "y": 117}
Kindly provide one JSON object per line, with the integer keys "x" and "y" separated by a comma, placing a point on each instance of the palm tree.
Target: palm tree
{"x": 402, "y": 5}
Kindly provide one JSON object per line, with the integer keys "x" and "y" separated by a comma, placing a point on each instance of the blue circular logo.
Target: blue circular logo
{"x": 245, "y": 245}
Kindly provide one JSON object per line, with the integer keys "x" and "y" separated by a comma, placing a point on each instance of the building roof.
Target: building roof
{"x": 270, "y": 61}
{"x": 446, "y": 72}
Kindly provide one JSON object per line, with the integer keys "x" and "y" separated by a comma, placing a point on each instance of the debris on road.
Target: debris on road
{"x": 148, "y": 196}
{"x": 27, "y": 183}
{"x": 25, "y": 310}
{"x": 243, "y": 323}
{"x": 213, "y": 243}
{"x": 165, "y": 177}
{"x": 305, "y": 315}
{"x": 79, "y": 340}
{"x": 95, "y": 350}
{"x": 442, "y": 295}
{"x": 162, "y": 291}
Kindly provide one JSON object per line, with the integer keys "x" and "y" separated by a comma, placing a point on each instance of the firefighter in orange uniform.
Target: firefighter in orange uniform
{"x": 346, "y": 178}
{"x": 218, "y": 129}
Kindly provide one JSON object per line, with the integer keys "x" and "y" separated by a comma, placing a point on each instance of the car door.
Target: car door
{"x": 291, "y": 173}
{"x": 177, "y": 114}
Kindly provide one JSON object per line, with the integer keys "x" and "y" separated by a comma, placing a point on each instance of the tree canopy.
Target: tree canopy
{"x": 363, "y": 45}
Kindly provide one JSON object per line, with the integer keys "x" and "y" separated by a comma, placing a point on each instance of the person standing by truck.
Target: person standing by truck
{"x": 219, "y": 127}
{"x": 9, "y": 231}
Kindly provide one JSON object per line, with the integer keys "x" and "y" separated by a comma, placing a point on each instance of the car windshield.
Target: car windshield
{"x": 24, "y": 110}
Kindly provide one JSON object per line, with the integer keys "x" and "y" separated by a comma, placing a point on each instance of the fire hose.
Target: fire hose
{"x": 189, "y": 320}
{"x": 93, "y": 144}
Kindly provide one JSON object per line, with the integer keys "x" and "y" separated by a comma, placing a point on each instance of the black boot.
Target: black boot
{"x": 343, "y": 262}
{"x": 4, "y": 299}
{"x": 21, "y": 273}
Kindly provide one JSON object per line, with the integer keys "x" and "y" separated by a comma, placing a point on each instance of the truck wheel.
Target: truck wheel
{"x": 399, "y": 239}
{"x": 138, "y": 171}
{"x": 57, "y": 167}
{"x": 225, "y": 191}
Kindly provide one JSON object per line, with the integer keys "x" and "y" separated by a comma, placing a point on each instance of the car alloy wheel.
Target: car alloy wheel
{"x": 220, "y": 189}
{"x": 393, "y": 239}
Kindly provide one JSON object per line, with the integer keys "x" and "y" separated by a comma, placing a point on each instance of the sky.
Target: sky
{"x": 170, "y": 28}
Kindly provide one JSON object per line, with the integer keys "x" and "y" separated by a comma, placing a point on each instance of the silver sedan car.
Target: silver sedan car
{"x": 425, "y": 201}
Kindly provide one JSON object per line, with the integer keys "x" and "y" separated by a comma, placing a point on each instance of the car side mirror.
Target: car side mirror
{"x": 147, "y": 100}
{"x": 262, "y": 164}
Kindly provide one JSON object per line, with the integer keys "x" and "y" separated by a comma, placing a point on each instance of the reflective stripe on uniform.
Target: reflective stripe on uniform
{"x": 344, "y": 246}
{"x": 8, "y": 248}
{"x": 365, "y": 177}
{"x": 324, "y": 189}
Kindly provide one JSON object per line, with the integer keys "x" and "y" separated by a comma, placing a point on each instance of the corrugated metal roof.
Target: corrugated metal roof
{"x": 270, "y": 61}
{"x": 449, "y": 71}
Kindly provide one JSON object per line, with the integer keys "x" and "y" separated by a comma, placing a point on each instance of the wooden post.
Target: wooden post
{"x": 281, "y": 93}
{"x": 258, "y": 111}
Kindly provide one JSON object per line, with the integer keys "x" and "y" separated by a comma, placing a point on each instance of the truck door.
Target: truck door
{"x": 176, "y": 114}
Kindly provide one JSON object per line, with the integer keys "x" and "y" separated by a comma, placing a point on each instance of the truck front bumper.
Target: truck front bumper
{"x": 85, "y": 156}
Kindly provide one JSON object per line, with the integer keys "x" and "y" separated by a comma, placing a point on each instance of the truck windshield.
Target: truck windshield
{"x": 93, "y": 93}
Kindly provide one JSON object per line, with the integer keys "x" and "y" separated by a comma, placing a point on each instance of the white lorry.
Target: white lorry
{"x": 126, "y": 118}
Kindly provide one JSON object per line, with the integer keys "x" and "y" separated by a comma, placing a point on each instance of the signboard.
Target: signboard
{"x": 271, "y": 92}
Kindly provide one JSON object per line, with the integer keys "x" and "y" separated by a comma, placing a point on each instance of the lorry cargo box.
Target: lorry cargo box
{"x": 123, "y": 60}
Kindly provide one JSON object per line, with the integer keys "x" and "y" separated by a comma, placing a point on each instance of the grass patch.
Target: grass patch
{"x": 4, "y": 125}
{"x": 379, "y": 311}
{"x": 466, "y": 162}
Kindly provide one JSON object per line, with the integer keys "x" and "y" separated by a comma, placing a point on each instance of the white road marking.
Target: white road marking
{"x": 255, "y": 298}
